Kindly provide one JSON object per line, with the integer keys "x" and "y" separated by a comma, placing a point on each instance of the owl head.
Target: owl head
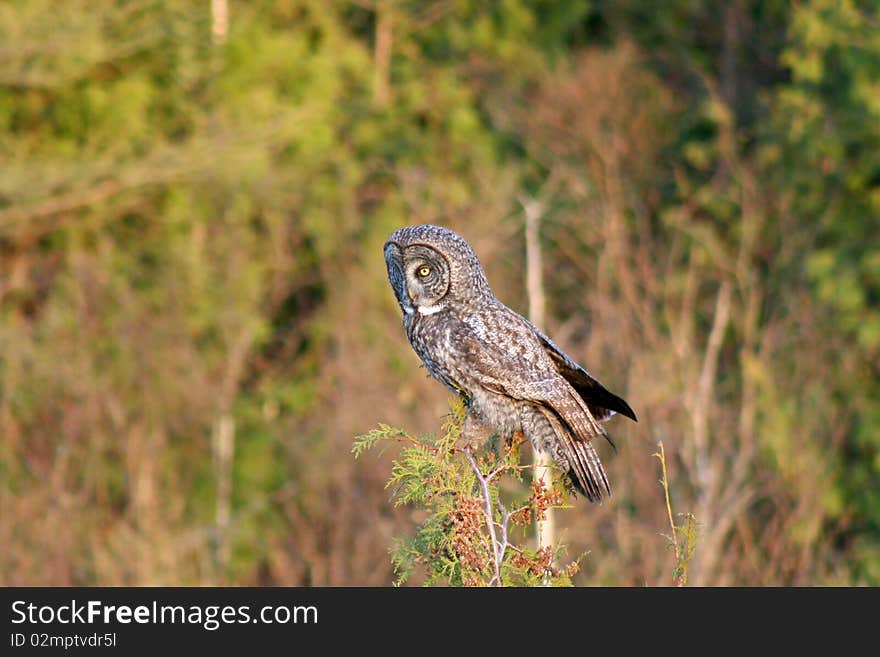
{"x": 430, "y": 267}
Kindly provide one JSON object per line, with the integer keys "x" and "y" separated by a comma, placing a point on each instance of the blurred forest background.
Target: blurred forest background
{"x": 195, "y": 319}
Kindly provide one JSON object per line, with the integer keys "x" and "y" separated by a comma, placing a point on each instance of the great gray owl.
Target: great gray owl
{"x": 510, "y": 374}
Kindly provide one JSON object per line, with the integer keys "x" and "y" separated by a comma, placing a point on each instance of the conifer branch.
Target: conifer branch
{"x": 469, "y": 537}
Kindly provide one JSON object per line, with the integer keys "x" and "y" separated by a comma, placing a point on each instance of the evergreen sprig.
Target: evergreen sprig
{"x": 479, "y": 513}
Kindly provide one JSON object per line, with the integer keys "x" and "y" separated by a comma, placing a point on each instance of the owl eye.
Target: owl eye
{"x": 423, "y": 271}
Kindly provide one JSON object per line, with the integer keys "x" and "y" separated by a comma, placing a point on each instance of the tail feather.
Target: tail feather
{"x": 585, "y": 469}
{"x": 589, "y": 462}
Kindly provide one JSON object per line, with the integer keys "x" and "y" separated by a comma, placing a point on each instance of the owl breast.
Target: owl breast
{"x": 435, "y": 339}
{"x": 439, "y": 341}
{"x": 500, "y": 413}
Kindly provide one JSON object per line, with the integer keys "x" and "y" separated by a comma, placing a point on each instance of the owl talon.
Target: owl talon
{"x": 474, "y": 434}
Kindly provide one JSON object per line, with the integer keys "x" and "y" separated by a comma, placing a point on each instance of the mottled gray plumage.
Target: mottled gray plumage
{"x": 511, "y": 375}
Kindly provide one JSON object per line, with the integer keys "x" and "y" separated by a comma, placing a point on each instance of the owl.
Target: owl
{"x": 511, "y": 376}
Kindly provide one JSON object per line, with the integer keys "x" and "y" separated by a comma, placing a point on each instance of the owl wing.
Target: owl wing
{"x": 503, "y": 372}
{"x": 602, "y": 402}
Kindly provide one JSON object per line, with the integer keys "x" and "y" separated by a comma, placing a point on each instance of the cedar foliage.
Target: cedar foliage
{"x": 471, "y": 535}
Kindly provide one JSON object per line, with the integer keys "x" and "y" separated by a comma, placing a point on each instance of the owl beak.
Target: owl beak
{"x": 394, "y": 260}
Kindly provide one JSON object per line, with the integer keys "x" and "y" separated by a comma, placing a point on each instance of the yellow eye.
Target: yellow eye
{"x": 423, "y": 271}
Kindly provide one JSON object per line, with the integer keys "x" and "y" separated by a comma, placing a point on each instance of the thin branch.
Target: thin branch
{"x": 684, "y": 554}
{"x": 490, "y": 521}
{"x": 497, "y": 471}
{"x": 661, "y": 456}
{"x": 502, "y": 548}
{"x": 706, "y": 381}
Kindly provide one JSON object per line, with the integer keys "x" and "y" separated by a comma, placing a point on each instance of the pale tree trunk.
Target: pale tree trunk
{"x": 223, "y": 449}
{"x": 219, "y": 21}
{"x": 535, "y": 287}
{"x": 382, "y": 53}
{"x": 223, "y": 430}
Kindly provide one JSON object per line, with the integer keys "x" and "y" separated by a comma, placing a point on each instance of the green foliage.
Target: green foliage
{"x": 472, "y": 535}
{"x": 828, "y": 121}
{"x": 689, "y": 532}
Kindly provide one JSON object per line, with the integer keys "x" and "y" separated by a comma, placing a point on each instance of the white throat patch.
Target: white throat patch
{"x": 430, "y": 310}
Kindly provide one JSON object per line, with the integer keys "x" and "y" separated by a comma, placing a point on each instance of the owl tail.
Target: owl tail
{"x": 575, "y": 429}
{"x": 588, "y": 476}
